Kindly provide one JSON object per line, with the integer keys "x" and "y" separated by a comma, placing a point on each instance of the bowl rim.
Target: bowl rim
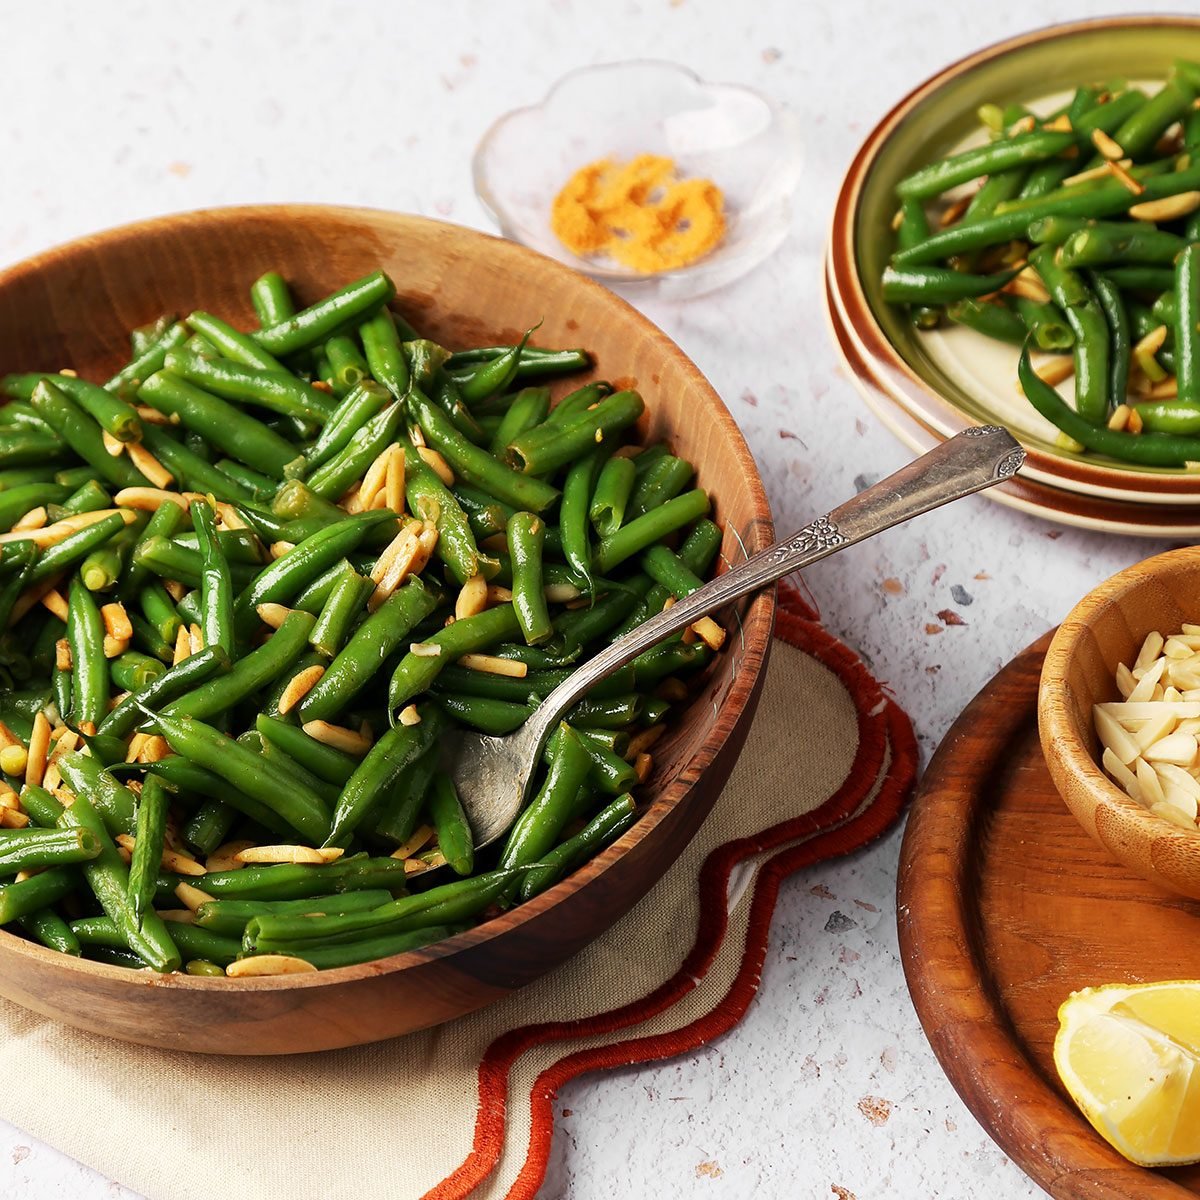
{"x": 1055, "y": 725}
{"x": 894, "y": 375}
{"x": 757, "y": 624}
{"x": 781, "y": 115}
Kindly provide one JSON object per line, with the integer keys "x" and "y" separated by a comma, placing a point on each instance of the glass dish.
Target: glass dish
{"x": 748, "y": 145}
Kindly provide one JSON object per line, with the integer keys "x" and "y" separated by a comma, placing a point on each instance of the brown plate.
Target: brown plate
{"x": 930, "y": 121}
{"x": 1022, "y": 493}
{"x": 1006, "y": 906}
{"x": 73, "y": 307}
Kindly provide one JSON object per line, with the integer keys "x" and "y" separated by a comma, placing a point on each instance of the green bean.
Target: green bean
{"x": 279, "y": 391}
{"x": 333, "y": 478}
{"x": 649, "y": 528}
{"x": 355, "y": 411}
{"x": 20, "y": 413}
{"x": 573, "y": 406}
{"x": 347, "y": 366}
{"x": 101, "y": 568}
{"x": 131, "y": 671}
{"x": 209, "y": 826}
{"x": 996, "y": 188}
{"x": 81, "y": 432}
{"x": 938, "y": 285}
{"x": 109, "y": 881}
{"x": 271, "y": 299}
{"x": 146, "y": 636}
{"x": 669, "y": 658}
{"x": 192, "y": 941}
{"x": 76, "y": 546}
{"x": 23, "y": 447}
{"x": 216, "y": 581}
{"x": 247, "y": 772}
{"x": 89, "y": 497}
{"x": 1187, "y": 324}
{"x": 1148, "y": 449}
{"x": 1134, "y": 244}
{"x": 230, "y": 917}
{"x": 370, "y": 645}
{"x": 1046, "y": 323}
{"x": 328, "y": 957}
{"x": 454, "y": 837}
{"x": 551, "y": 446}
{"x": 89, "y": 667}
{"x": 287, "y": 576}
{"x": 538, "y": 828}
{"x": 1150, "y": 279}
{"x": 178, "y": 681}
{"x": 110, "y": 412}
{"x": 609, "y": 773}
{"x": 190, "y": 470}
{"x": 327, "y": 762}
{"x": 1020, "y": 150}
{"x": 170, "y": 560}
{"x": 16, "y": 502}
{"x": 660, "y": 483}
{"x": 15, "y": 477}
{"x": 159, "y": 610}
{"x": 181, "y": 775}
{"x": 535, "y": 363}
{"x": 397, "y": 816}
{"x": 270, "y": 700}
{"x": 527, "y": 411}
{"x": 148, "y": 360}
{"x": 288, "y": 766}
{"x": 381, "y": 344}
{"x": 493, "y": 717}
{"x": 1108, "y": 296}
{"x": 1139, "y": 133}
{"x": 51, "y": 930}
{"x": 994, "y": 320}
{"x": 240, "y": 436}
{"x": 612, "y": 494}
{"x": 613, "y": 712}
{"x": 495, "y": 375}
{"x": 113, "y": 801}
{"x": 1087, "y": 321}
{"x": 32, "y": 849}
{"x": 239, "y": 347}
{"x": 340, "y": 610}
{"x": 526, "y": 533}
{"x": 603, "y": 829}
{"x": 415, "y": 673}
{"x": 319, "y": 321}
{"x": 36, "y": 893}
{"x": 165, "y": 521}
{"x": 151, "y": 836}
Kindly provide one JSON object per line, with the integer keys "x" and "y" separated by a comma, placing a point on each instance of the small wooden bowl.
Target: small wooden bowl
{"x": 73, "y": 307}
{"x": 1104, "y": 629}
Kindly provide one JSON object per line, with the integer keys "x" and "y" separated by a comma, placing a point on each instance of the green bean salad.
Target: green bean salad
{"x": 1081, "y": 239}
{"x": 248, "y": 587}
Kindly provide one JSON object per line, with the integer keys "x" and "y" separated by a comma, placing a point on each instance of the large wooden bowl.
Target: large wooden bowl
{"x": 1108, "y": 627}
{"x": 73, "y": 307}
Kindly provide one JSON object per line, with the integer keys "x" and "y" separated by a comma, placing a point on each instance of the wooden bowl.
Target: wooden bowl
{"x": 955, "y": 378}
{"x": 73, "y": 307}
{"x": 1108, "y": 627}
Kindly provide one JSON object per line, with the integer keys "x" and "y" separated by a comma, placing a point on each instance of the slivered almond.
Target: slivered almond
{"x": 225, "y": 858}
{"x": 1167, "y": 390}
{"x": 373, "y": 480}
{"x": 1095, "y": 172}
{"x": 409, "y": 715}
{"x": 50, "y": 535}
{"x": 115, "y": 647}
{"x": 497, "y": 594}
{"x": 180, "y": 916}
{"x": 1028, "y": 285}
{"x": 183, "y": 646}
{"x": 116, "y": 620}
{"x": 151, "y": 416}
{"x": 147, "y": 499}
{"x": 394, "y": 561}
{"x": 493, "y": 664}
{"x": 560, "y": 593}
{"x": 643, "y": 764}
{"x": 299, "y": 686}
{"x": 709, "y": 632}
{"x": 1168, "y": 208}
{"x": 149, "y": 466}
{"x": 191, "y": 896}
{"x": 175, "y": 589}
{"x": 420, "y": 837}
{"x": 134, "y": 748}
{"x": 437, "y": 464}
{"x": 416, "y": 435}
{"x": 393, "y": 487}
{"x": 154, "y": 749}
{"x": 260, "y": 966}
{"x": 273, "y": 615}
{"x": 424, "y": 649}
{"x": 62, "y": 655}
{"x": 280, "y": 548}
{"x": 114, "y": 447}
{"x": 8, "y": 738}
{"x": 954, "y": 212}
{"x": 1135, "y": 423}
{"x": 1119, "y": 418}
{"x": 1060, "y": 124}
{"x": 338, "y": 736}
{"x": 39, "y": 744}
{"x": 897, "y": 219}
{"x": 196, "y": 636}
{"x": 1109, "y": 148}
{"x": 642, "y": 741}
{"x": 289, "y": 854}
{"x": 1025, "y": 124}
{"x": 1055, "y": 370}
{"x": 13, "y": 818}
{"x": 229, "y": 517}
{"x": 351, "y": 502}
{"x": 35, "y": 518}
{"x": 1126, "y": 179}
{"x": 54, "y": 602}
{"x": 472, "y": 598}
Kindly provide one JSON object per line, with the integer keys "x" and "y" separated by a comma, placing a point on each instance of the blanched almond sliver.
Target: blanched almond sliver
{"x": 1114, "y": 737}
{"x": 1178, "y": 748}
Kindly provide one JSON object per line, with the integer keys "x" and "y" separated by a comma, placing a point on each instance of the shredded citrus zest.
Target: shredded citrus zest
{"x": 640, "y": 213}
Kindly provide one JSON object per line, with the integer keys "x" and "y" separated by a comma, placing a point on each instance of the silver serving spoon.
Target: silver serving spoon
{"x": 493, "y": 774}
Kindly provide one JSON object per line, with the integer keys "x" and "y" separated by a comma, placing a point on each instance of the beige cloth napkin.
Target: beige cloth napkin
{"x": 465, "y": 1109}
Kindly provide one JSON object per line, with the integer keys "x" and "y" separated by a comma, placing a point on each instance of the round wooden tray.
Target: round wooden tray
{"x": 1005, "y": 907}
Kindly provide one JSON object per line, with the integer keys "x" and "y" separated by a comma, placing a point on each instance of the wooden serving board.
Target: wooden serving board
{"x": 1005, "y": 906}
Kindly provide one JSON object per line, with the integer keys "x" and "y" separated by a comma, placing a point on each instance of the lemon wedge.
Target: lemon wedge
{"x": 1130, "y": 1057}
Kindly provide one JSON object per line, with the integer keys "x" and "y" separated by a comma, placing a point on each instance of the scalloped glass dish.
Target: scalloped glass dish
{"x": 749, "y": 146}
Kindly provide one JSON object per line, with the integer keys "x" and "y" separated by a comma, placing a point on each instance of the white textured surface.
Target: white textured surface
{"x": 828, "y": 1087}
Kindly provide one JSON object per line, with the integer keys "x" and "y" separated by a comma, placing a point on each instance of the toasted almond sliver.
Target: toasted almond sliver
{"x": 151, "y": 416}
{"x": 420, "y": 837}
{"x": 191, "y": 896}
{"x": 39, "y": 744}
{"x": 1109, "y": 148}
{"x": 8, "y": 795}
{"x": 641, "y": 742}
{"x": 393, "y": 487}
{"x": 1126, "y": 179}
{"x": 154, "y": 749}
{"x": 338, "y": 736}
{"x": 273, "y": 615}
{"x": 472, "y": 598}
{"x": 561, "y": 593}
{"x": 115, "y": 647}
{"x": 182, "y": 864}
{"x": 1095, "y": 172}
{"x": 424, "y": 649}
{"x": 134, "y": 748}
{"x": 1056, "y": 370}
{"x": 116, "y": 620}
{"x": 299, "y": 686}
{"x": 35, "y": 518}
{"x": 643, "y": 764}
{"x": 183, "y": 646}
{"x": 12, "y": 818}
{"x": 498, "y": 594}
{"x": 180, "y": 916}
{"x": 1119, "y": 418}
{"x": 62, "y": 655}
{"x": 259, "y": 966}
{"x": 409, "y": 715}
{"x": 114, "y": 447}
{"x": 373, "y": 480}
{"x": 54, "y": 601}
{"x": 955, "y": 211}
{"x": 493, "y": 664}
{"x": 289, "y": 854}
{"x": 52, "y": 534}
{"x": 53, "y": 777}
{"x": 224, "y": 858}
{"x": 149, "y": 466}
{"x": 710, "y": 633}
{"x": 397, "y": 561}
{"x": 1168, "y": 208}
{"x": 175, "y": 589}
{"x": 8, "y": 738}
{"x": 147, "y": 499}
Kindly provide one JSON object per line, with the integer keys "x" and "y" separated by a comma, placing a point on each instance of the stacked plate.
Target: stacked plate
{"x": 926, "y": 387}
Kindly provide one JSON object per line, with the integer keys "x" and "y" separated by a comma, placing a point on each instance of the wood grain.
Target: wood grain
{"x": 73, "y": 307}
{"x": 1106, "y": 628}
{"x": 1006, "y": 905}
